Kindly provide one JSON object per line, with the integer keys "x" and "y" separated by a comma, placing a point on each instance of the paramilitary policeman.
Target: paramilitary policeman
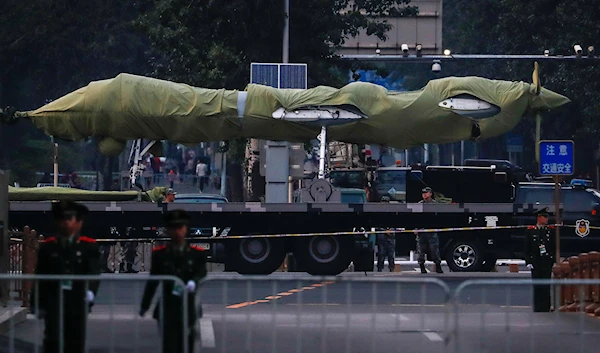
{"x": 386, "y": 247}
{"x": 429, "y": 240}
{"x": 68, "y": 253}
{"x": 539, "y": 255}
{"x": 183, "y": 261}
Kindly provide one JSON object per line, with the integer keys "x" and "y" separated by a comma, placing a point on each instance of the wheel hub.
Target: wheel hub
{"x": 255, "y": 250}
{"x": 324, "y": 249}
{"x": 464, "y": 256}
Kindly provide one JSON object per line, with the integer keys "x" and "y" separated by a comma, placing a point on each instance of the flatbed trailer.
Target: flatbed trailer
{"x": 324, "y": 254}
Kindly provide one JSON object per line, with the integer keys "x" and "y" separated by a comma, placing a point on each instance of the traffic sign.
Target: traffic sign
{"x": 557, "y": 157}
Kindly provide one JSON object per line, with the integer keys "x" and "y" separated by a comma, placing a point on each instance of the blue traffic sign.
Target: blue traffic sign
{"x": 557, "y": 157}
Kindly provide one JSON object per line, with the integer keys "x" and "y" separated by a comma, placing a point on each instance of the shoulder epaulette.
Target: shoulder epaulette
{"x": 196, "y": 248}
{"x": 158, "y": 248}
{"x": 551, "y": 227}
{"x": 531, "y": 227}
{"x": 87, "y": 239}
{"x": 49, "y": 240}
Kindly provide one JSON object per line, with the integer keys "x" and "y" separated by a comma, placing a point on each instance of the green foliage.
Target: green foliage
{"x": 50, "y": 48}
{"x": 212, "y": 43}
{"x": 518, "y": 27}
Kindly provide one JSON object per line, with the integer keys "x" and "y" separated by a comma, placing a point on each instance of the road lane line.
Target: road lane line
{"x": 433, "y": 336}
{"x": 207, "y": 333}
{"x": 240, "y": 305}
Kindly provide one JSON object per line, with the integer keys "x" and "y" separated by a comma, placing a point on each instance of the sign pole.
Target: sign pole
{"x": 557, "y": 213}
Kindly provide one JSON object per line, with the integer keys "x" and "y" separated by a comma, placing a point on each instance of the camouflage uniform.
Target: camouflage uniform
{"x": 429, "y": 241}
{"x": 386, "y": 247}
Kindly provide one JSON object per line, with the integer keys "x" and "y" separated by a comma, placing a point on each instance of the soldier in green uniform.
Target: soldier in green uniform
{"x": 429, "y": 241}
{"x": 183, "y": 261}
{"x": 68, "y": 253}
{"x": 539, "y": 255}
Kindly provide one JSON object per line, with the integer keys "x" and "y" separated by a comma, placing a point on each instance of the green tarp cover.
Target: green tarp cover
{"x": 52, "y": 193}
{"x": 130, "y": 107}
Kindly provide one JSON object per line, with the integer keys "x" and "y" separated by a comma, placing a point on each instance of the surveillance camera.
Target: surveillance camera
{"x": 546, "y": 52}
{"x": 436, "y": 67}
{"x": 591, "y": 51}
{"x": 578, "y": 49}
{"x": 405, "y": 48}
{"x": 378, "y": 51}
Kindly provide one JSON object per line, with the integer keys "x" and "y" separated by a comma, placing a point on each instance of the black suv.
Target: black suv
{"x": 581, "y": 209}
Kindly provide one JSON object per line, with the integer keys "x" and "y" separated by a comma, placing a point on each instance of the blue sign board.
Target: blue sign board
{"x": 557, "y": 157}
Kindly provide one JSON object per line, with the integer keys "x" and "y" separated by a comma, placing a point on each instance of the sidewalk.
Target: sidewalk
{"x": 11, "y": 315}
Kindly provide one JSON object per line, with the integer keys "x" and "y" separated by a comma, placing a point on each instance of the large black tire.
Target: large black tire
{"x": 465, "y": 255}
{"x": 324, "y": 255}
{"x": 489, "y": 262}
{"x": 255, "y": 256}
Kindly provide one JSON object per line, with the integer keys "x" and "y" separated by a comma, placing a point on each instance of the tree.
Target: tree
{"x": 212, "y": 43}
{"x": 50, "y": 48}
{"x": 517, "y": 27}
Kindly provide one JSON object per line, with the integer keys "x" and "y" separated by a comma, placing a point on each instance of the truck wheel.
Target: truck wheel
{"x": 255, "y": 256}
{"x": 324, "y": 255}
{"x": 489, "y": 262}
{"x": 464, "y": 256}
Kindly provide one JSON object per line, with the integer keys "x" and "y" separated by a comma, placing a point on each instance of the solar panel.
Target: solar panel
{"x": 279, "y": 75}
{"x": 264, "y": 74}
{"x": 292, "y": 76}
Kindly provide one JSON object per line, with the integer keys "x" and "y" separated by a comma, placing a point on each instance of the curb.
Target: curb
{"x": 8, "y": 321}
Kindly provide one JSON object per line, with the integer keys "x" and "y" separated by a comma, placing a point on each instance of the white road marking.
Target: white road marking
{"x": 433, "y": 336}
{"x": 207, "y": 333}
{"x": 419, "y": 270}
{"x": 401, "y": 317}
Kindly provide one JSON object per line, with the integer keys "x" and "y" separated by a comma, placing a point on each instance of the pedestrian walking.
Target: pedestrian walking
{"x": 429, "y": 241}
{"x": 68, "y": 253}
{"x": 386, "y": 248}
{"x": 539, "y": 255}
{"x": 202, "y": 174}
{"x": 183, "y": 261}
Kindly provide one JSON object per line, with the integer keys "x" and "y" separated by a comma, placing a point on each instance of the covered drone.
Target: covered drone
{"x": 130, "y": 107}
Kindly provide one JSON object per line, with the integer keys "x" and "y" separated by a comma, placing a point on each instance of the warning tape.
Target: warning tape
{"x": 288, "y": 235}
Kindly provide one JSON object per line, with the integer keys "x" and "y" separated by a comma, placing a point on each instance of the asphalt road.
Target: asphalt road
{"x": 350, "y": 314}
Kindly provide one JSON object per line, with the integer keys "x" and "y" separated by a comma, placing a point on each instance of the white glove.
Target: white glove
{"x": 530, "y": 266}
{"x": 190, "y": 286}
{"x": 90, "y": 296}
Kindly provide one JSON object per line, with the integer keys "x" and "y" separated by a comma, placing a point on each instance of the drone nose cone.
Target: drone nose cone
{"x": 548, "y": 100}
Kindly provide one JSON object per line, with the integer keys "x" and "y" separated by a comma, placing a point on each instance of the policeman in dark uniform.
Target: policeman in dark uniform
{"x": 539, "y": 255}
{"x": 183, "y": 261}
{"x": 386, "y": 247}
{"x": 68, "y": 253}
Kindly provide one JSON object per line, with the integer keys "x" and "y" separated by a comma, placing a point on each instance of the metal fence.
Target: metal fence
{"x": 349, "y": 313}
{"x": 113, "y": 323}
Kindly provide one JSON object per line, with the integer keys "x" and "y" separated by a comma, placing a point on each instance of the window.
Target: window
{"x": 533, "y": 195}
{"x": 200, "y": 200}
{"x": 579, "y": 201}
{"x": 388, "y": 179}
{"x": 347, "y": 179}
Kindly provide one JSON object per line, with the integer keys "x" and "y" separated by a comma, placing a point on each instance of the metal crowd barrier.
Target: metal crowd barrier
{"x": 301, "y": 313}
{"x": 496, "y": 315}
{"x": 286, "y": 312}
{"x": 113, "y": 324}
